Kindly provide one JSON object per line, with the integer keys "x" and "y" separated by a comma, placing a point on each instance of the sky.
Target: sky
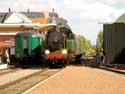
{"x": 85, "y": 17}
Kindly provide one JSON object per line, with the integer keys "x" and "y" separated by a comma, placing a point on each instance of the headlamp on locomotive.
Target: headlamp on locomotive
{"x": 47, "y": 52}
{"x": 64, "y": 51}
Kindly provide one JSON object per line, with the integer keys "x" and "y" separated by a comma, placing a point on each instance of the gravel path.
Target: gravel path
{"x": 82, "y": 80}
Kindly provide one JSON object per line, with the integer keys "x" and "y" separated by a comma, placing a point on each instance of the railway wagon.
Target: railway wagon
{"x": 59, "y": 49}
{"x": 28, "y": 48}
{"x": 114, "y": 43}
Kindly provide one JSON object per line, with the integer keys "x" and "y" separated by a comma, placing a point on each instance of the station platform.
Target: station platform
{"x": 122, "y": 71}
{"x": 81, "y": 80}
{"x": 5, "y": 66}
{"x": 17, "y": 75}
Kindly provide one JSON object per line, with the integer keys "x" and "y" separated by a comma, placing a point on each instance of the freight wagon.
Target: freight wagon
{"x": 114, "y": 43}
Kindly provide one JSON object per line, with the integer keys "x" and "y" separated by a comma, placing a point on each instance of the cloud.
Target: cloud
{"x": 109, "y": 2}
{"x": 84, "y": 16}
{"x": 90, "y": 9}
{"x": 93, "y": 10}
{"x": 112, "y": 2}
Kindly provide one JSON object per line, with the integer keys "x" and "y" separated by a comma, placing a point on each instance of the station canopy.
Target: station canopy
{"x": 6, "y": 44}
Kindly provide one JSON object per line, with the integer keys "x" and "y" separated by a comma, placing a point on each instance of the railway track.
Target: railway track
{"x": 21, "y": 85}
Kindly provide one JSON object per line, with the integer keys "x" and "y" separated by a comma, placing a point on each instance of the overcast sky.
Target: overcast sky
{"x": 83, "y": 16}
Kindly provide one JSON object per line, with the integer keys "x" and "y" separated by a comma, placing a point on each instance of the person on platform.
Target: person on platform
{"x": 5, "y": 57}
{"x": 0, "y": 57}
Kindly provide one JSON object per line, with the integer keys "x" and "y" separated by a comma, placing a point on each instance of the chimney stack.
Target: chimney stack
{"x": 9, "y": 10}
{"x": 28, "y": 10}
{"x": 53, "y": 10}
{"x": 46, "y": 14}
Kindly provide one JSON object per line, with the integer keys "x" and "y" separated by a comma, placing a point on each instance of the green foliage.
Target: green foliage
{"x": 120, "y": 19}
{"x": 100, "y": 36}
{"x": 100, "y": 40}
{"x": 86, "y": 46}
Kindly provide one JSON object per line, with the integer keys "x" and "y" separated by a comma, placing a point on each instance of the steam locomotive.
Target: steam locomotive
{"x": 58, "y": 48}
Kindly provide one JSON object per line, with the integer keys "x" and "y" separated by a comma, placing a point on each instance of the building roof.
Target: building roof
{"x": 39, "y": 14}
{"x": 51, "y": 14}
{"x": 34, "y": 14}
{"x": 3, "y": 16}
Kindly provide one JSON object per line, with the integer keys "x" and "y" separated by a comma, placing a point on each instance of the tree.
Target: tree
{"x": 99, "y": 42}
{"x": 86, "y": 46}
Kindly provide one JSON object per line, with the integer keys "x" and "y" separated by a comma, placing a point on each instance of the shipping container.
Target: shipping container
{"x": 114, "y": 43}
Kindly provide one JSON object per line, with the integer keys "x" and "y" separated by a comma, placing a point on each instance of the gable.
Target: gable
{"x": 17, "y": 18}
